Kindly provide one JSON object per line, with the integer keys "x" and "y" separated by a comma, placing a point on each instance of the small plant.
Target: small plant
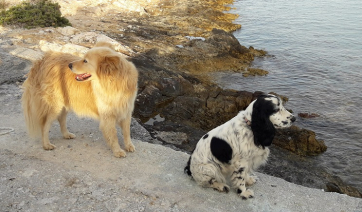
{"x": 41, "y": 13}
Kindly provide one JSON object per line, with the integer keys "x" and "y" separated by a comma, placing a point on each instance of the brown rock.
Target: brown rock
{"x": 336, "y": 184}
{"x": 308, "y": 115}
{"x": 299, "y": 141}
{"x": 255, "y": 72}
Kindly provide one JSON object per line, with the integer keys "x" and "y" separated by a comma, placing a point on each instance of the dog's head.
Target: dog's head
{"x": 268, "y": 114}
{"x": 101, "y": 58}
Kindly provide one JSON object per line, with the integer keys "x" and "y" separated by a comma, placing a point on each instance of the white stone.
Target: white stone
{"x": 67, "y": 31}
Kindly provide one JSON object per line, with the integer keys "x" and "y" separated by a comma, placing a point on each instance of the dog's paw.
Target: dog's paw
{"x": 226, "y": 189}
{"x": 48, "y": 146}
{"x": 246, "y": 194}
{"x": 130, "y": 148}
{"x": 69, "y": 135}
{"x": 119, "y": 154}
{"x": 251, "y": 180}
{"x": 221, "y": 187}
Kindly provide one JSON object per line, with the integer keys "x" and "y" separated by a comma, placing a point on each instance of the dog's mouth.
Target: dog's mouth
{"x": 82, "y": 77}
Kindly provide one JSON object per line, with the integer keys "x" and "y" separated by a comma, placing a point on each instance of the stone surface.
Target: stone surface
{"x": 82, "y": 175}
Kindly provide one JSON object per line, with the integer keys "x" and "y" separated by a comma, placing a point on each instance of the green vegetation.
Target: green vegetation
{"x": 41, "y": 13}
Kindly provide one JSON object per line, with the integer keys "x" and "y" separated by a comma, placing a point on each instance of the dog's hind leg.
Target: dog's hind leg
{"x": 62, "y": 118}
{"x": 126, "y": 131}
{"x": 208, "y": 175}
{"x": 108, "y": 127}
{"x": 46, "y": 123}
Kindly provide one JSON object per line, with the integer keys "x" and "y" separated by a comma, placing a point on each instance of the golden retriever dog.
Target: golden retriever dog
{"x": 102, "y": 85}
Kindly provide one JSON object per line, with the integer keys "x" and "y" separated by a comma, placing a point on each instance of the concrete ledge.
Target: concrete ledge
{"x": 82, "y": 175}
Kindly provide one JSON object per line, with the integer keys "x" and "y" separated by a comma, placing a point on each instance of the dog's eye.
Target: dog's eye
{"x": 276, "y": 110}
{"x": 85, "y": 61}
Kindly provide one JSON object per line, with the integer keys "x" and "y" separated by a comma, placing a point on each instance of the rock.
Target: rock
{"x": 27, "y": 53}
{"x": 67, "y": 48}
{"x": 117, "y": 46}
{"x": 187, "y": 141}
{"x": 147, "y": 102}
{"x": 93, "y": 38}
{"x": 257, "y": 52}
{"x": 12, "y": 69}
{"x": 212, "y": 107}
{"x": 308, "y": 115}
{"x": 67, "y": 31}
{"x": 85, "y": 37}
{"x": 130, "y": 6}
{"x": 176, "y": 138}
{"x": 255, "y": 72}
{"x": 227, "y": 44}
{"x": 336, "y": 184}
{"x": 219, "y": 51}
{"x": 299, "y": 141}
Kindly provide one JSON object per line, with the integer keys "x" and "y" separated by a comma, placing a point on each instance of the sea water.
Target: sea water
{"x": 314, "y": 58}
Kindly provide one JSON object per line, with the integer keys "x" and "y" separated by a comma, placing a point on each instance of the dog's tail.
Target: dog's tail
{"x": 31, "y": 122}
{"x": 187, "y": 169}
{"x": 31, "y": 103}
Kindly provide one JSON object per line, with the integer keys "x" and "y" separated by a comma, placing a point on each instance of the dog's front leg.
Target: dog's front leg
{"x": 239, "y": 179}
{"x": 108, "y": 127}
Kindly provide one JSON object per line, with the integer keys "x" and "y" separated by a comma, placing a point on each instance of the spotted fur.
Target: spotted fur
{"x": 232, "y": 151}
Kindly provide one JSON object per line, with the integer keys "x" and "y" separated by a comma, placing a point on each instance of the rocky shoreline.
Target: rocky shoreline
{"x": 175, "y": 45}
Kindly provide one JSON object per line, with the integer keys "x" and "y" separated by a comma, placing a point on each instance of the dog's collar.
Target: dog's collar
{"x": 248, "y": 122}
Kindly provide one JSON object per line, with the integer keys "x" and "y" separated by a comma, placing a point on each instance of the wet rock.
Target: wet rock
{"x": 255, "y": 72}
{"x": 257, "y": 52}
{"x": 308, "y": 115}
{"x": 212, "y": 107}
{"x": 299, "y": 141}
{"x": 227, "y": 44}
{"x": 336, "y": 184}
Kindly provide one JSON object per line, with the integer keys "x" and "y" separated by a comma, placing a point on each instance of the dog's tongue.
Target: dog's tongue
{"x": 82, "y": 77}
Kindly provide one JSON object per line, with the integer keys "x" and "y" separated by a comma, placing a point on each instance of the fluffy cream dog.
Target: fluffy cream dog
{"x": 102, "y": 85}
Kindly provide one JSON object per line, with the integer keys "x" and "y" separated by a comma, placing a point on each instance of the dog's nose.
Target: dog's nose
{"x": 70, "y": 66}
{"x": 293, "y": 119}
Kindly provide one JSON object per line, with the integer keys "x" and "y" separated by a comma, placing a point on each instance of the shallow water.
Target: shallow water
{"x": 315, "y": 50}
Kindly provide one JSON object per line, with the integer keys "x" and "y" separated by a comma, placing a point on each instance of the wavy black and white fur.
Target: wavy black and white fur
{"x": 238, "y": 147}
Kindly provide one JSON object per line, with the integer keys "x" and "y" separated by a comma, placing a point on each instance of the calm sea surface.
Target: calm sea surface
{"x": 316, "y": 61}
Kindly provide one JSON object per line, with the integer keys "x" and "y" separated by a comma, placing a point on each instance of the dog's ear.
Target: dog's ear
{"x": 263, "y": 129}
{"x": 104, "y": 44}
{"x": 109, "y": 64}
{"x": 116, "y": 66}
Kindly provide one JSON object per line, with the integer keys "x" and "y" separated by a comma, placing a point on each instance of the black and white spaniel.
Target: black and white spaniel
{"x": 232, "y": 151}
